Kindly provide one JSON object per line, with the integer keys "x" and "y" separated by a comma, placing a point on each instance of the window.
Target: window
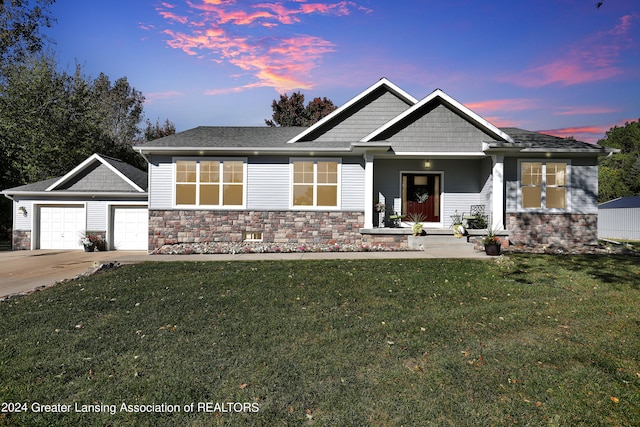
{"x": 252, "y": 236}
{"x": 315, "y": 183}
{"x": 544, "y": 185}
{"x": 209, "y": 183}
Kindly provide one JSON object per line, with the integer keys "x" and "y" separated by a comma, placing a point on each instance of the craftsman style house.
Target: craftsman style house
{"x": 382, "y": 155}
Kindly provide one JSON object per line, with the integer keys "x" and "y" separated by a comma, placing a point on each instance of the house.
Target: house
{"x": 383, "y": 148}
{"x": 382, "y": 154}
{"x": 103, "y": 195}
{"x": 619, "y": 219}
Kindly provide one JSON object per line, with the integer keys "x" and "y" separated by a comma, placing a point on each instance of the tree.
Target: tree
{"x": 156, "y": 131}
{"x": 290, "y": 111}
{"x": 619, "y": 175}
{"x": 20, "y": 24}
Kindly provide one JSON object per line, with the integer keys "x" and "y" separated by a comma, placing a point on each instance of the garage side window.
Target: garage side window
{"x": 543, "y": 185}
{"x": 210, "y": 183}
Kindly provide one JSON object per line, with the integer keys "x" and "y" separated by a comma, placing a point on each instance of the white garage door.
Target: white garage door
{"x": 61, "y": 227}
{"x": 130, "y": 228}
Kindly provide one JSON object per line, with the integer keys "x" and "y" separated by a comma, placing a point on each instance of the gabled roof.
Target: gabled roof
{"x": 542, "y": 141}
{"x": 382, "y": 85}
{"x": 382, "y": 118}
{"x": 225, "y": 136}
{"x": 621, "y": 203}
{"x": 132, "y": 176}
{"x": 440, "y": 97}
{"x": 96, "y": 174}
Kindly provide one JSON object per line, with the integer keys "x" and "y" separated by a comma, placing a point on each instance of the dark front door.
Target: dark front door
{"x": 421, "y": 195}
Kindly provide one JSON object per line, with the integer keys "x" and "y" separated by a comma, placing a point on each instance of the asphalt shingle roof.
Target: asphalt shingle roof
{"x": 276, "y": 137}
{"x": 541, "y": 140}
{"x": 139, "y": 177}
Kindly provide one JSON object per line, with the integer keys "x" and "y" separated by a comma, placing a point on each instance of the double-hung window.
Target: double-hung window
{"x": 544, "y": 184}
{"x": 315, "y": 183}
{"x": 209, "y": 183}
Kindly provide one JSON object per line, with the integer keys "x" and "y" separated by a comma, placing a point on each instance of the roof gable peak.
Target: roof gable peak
{"x": 382, "y": 83}
{"x": 106, "y": 161}
{"x": 442, "y": 97}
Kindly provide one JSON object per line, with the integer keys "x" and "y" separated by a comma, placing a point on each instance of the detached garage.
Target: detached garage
{"x": 102, "y": 195}
{"x": 619, "y": 219}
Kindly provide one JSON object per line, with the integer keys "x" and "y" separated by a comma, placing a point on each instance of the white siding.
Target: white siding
{"x": 268, "y": 185}
{"x": 161, "y": 183}
{"x": 352, "y": 187}
{"x": 619, "y": 223}
{"x": 96, "y": 216}
{"x": 23, "y": 222}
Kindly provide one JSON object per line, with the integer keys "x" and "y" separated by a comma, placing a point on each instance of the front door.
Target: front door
{"x": 421, "y": 195}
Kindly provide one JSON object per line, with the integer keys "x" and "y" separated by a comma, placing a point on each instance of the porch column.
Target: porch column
{"x": 497, "y": 205}
{"x": 368, "y": 191}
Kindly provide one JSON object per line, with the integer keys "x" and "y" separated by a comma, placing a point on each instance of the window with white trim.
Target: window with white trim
{"x": 209, "y": 182}
{"x": 544, "y": 184}
{"x": 315, "y": 183}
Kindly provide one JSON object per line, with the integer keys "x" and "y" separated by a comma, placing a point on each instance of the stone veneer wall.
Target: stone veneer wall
{"x": 203, "y": 226}
{"x": 21, "y": 240}
{"x": 560, "y": 230}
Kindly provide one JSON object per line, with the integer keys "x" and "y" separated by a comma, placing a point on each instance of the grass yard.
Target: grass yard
{"x": 525, "y": 340}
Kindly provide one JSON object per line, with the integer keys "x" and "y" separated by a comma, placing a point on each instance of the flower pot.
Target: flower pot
{"x": 89, "y": 248}
{"x": 492, "y": 249}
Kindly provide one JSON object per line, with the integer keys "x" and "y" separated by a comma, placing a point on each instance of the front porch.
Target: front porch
{"x": 402, "y": 238}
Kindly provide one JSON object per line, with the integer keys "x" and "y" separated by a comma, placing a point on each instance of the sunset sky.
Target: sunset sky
{"x": 561, "y": 66}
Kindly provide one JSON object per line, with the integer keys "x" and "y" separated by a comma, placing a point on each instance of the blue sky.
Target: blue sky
{"x": 561, "y": 66}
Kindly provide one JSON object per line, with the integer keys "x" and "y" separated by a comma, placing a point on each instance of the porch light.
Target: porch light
{"x": 427, "y": 164}
{"x": 23, "y": 210}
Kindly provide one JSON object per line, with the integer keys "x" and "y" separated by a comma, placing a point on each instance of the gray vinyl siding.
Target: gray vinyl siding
{"x": 583, "y": 189}
{"x": 584, "y": 186}
{"x": 363, "y": 118}
{"x": 353, "y": 182}
{"x": 268, "y": 182}
{"x": 439, "y": 130}
{"x": 161, "y": 183}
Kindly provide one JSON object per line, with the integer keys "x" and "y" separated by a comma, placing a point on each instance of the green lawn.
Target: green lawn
{"x": 524, "y": 340}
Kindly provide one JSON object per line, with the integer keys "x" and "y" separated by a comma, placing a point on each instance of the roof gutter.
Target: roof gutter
{"x": 11, "y": 194}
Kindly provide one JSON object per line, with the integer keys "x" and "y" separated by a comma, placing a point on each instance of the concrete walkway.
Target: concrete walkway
{"x": 24, "y": 271}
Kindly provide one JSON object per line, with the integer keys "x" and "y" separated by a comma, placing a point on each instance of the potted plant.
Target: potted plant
{"x": 89, "y": 240}
{"x": 395, "y": 219}
{"x": 417, "y": 218}
{"x": 492, "y": 243}
{"x": 417, "y": 241}
{"x": 458, "y": 228}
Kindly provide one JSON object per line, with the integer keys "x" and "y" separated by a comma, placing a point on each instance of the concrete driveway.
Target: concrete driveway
{"x": 22, "y": 271}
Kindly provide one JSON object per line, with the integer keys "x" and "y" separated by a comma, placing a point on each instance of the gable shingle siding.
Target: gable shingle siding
{"x": 99, "y": 178}
{"x": 363, "y": 118}
{"x": 438, "y": 129}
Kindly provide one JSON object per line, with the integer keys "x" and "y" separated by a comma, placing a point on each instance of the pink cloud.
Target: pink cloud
{"x": 150, "y": 98}
{"x": 226, "y": 32}
{"x": 568, "y": 111}
{"x": 591, "y": 134}
{"x": 516, "y": 104}
{"x": 592, "y": 59}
